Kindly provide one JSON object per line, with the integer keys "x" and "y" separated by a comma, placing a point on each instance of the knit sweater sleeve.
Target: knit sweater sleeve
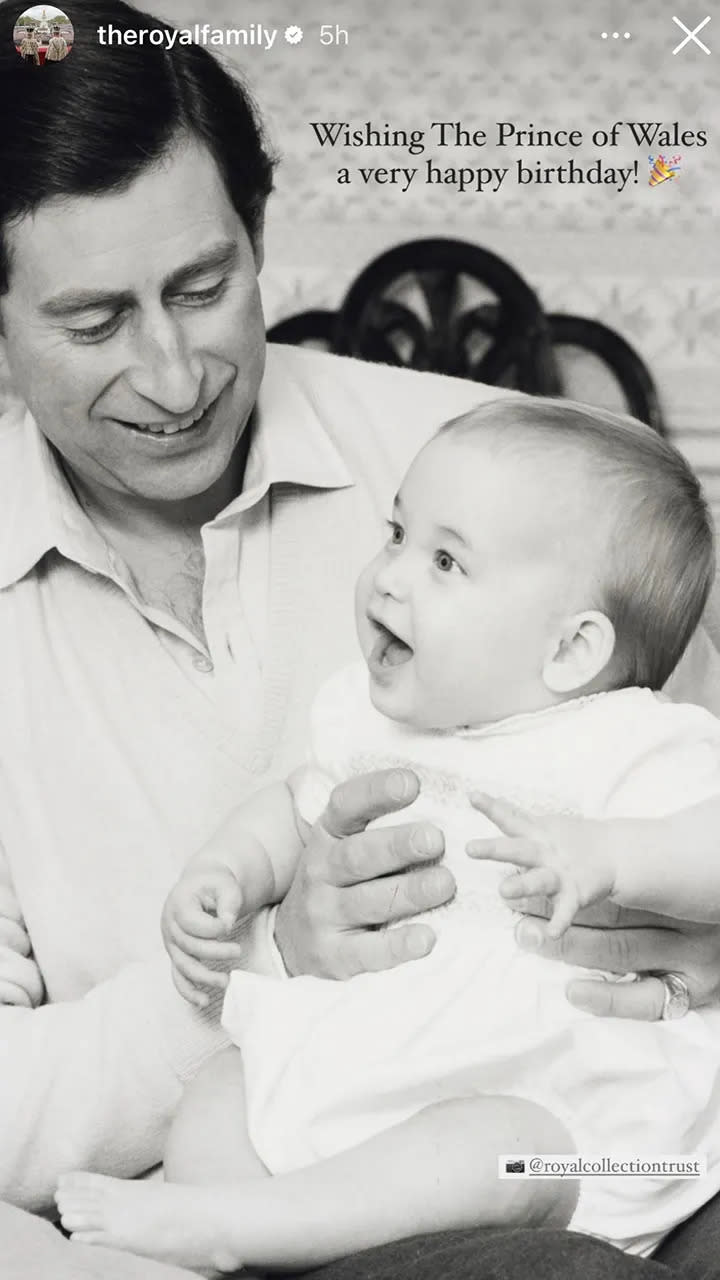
{"x": 93, "y": 1083}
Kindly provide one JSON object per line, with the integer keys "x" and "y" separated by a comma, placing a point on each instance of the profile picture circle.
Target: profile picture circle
{"x": 43, "y": 36}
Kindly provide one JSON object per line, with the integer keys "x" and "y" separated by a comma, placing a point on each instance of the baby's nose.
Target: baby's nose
{"x": 392, "y": 579}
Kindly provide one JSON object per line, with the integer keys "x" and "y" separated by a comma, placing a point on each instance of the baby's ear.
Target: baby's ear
{"x": 579, "y": 652}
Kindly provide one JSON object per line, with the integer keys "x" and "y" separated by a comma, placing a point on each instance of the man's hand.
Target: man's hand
{"x": 620, "y": 940}
{"x": 350, "y": 881}
{"x": 623, "y": 941}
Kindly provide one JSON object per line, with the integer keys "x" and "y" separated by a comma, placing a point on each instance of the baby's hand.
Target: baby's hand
{"x": 200, "y": 912}
{"x": 566, "y": 858}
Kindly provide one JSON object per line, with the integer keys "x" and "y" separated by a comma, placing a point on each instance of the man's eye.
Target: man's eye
{"x": 397, "y": 534}
{"x": 97, "y": 332}
{"x": 199, "y": 297}
{"x": 445, "y": 562}
{"x": 194, "y": 298}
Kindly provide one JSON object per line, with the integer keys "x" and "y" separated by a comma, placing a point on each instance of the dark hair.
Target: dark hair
{"x": 661, "y": 562}
{"x": 118, "y": 110}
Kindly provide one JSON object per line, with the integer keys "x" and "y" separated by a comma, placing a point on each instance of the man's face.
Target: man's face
{"x": 141, "y": 350}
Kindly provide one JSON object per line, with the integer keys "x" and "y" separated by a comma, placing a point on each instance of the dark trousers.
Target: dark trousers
{"x": 692, "y": 1252}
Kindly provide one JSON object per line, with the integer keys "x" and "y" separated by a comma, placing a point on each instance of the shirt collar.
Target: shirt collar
{"x": 290, "y": 444}
{"x": 39, "y": 511}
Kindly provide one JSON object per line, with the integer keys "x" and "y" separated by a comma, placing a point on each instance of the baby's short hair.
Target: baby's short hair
{"x": 661, "y": 562}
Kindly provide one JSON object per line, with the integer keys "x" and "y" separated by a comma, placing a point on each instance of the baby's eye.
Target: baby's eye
{"x": 397, "y": 533}
{"x": 445, "y": 562}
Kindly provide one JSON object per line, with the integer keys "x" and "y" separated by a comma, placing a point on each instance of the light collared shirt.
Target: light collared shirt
{"x": 124, "y": 741}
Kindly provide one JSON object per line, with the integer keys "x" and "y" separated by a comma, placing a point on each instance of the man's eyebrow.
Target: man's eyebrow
{"x": 217, "y": 257}
{"x": 73, "y": 300}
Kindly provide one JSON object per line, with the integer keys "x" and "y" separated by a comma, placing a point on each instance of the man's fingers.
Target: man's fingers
{"x": 380, "y": 852}
{"x": 642, "y": 999}
{"x": 395, "y": 897}
{"x": 370, "y": 795}
{"x": 521, "y": 850}
{"x": 206, "y": 949}
{"x": 386, "y": 948}
{"x": 511, "y": 820}
{"x": 615, "y": 950}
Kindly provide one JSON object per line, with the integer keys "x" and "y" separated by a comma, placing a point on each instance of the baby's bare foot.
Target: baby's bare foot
{"x": 157, "y": 1220}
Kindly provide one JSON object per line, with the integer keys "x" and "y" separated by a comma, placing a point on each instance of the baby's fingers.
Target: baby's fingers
{"x": 228, "y": 953}
{"x": 510, "y": 818}
{"x": 518, "y": 849}
{"x": 539, "y": 881}
{"x": 188, "y": 992}
{"x": 229, "y": 903}
{"x": 11, "y": 993}
{"x": 565, "y": 908}
{"x": 193, "y": 919}
{"x": 197, "y": 973}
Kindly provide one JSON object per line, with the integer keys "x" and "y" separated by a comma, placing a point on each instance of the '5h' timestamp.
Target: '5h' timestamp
{"x": 331, "y": 33}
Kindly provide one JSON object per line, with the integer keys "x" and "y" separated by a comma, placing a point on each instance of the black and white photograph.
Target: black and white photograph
{"x": 360, "y": 639}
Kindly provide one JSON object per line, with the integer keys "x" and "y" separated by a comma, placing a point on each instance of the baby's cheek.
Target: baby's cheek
{"x": 363, "y": 586}
{"x": 363, "y": 592}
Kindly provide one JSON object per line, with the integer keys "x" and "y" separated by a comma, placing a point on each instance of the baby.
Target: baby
{"x": 544, "y": 568}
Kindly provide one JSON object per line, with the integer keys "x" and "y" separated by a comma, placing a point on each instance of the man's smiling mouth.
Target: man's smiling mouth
{"x": 172, "y": 426}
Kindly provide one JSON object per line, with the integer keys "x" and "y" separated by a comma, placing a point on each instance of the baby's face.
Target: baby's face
{"x": 458, "y": 611}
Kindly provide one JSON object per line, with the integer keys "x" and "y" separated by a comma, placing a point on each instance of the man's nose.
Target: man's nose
{"x": 166, "y": 371}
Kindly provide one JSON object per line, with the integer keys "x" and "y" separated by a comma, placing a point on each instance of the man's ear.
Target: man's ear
{"x": 4, "y": 367}
{"x": 580, "y": 651}
{"x": 258, "y": 242}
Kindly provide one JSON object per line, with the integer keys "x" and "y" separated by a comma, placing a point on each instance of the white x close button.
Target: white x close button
{"x": 691, "y": 35}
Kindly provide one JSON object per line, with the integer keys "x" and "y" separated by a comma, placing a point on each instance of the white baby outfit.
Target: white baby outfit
{"x": 329, "y": 1064}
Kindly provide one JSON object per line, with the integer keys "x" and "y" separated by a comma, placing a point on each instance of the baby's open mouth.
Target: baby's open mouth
{"x": 388, "y": 650}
